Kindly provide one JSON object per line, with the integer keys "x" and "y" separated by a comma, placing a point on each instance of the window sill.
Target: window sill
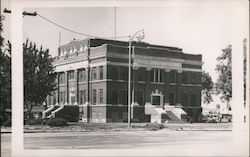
{"x": 157, "y": 83}
{"x": 191, "y": 85}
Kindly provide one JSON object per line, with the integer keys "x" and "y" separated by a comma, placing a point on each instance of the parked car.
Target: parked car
{"x": 214, "y": 118}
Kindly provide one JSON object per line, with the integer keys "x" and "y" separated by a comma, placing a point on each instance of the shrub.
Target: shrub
{"x": 135, "y": 120}
{"x": 34, "y": 121}
{"x": 7, "y": 123}
{"x": 57, "y": 122}
{"x": 154, "y": 126}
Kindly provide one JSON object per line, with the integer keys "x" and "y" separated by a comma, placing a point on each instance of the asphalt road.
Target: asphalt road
{"x": 214, "y": 142}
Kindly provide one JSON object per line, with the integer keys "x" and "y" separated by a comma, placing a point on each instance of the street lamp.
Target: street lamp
{"x": 140, "y": 36}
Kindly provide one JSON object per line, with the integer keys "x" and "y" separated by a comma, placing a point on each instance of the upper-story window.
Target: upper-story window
{"x": 94, "y": 73}
{"x": 185, "y": 77}
{"x": 101, "y": 72}
{"x": 193, "y": 77}
{"x": 112, "y": 72}
{"x": 81, "y": 47}
{"x": 94, "y": 96}
{"x": 172, "y": 76}
{"x": 71, "y": 75}
{"x": 71, "y": 50}
{"x": 75, "y": 50}
{"x": 82, "y": 75}
{"x": 101, "y": 96}
{"x": 141, "y": 74}
{"x": 123, "y": 73}
{"x": 157, "y": 75}
{"x": 61, "y": 78}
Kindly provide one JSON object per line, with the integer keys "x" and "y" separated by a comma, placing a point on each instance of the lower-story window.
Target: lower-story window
{"x": 172, "y": 98}
{"x": 184, "y": 99}
{"x": 94, "y": 96}
{"x": 62, "y": 97}
{"x": 114, "y": 98}
{"x": 193, "y": 99}
{"x": 72, "y": 99}
{"x": 82, "y": 96}
{"x": 140, "y": 97}
{"x": 123, "y": 97}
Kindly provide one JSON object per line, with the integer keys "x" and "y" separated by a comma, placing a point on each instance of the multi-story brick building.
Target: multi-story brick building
{"x": 93, "y": 77}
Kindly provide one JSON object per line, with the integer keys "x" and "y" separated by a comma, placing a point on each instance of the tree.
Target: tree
{"x": 224, "y": 69}
{"x": 39, "y": 76}
{"x": 207, "y": 88}
{"x": 5, "y": 74}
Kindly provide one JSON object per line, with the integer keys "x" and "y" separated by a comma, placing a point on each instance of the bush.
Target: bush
{"x": 135, "y": 120}
{"x": 154, "y": 126}
{"x": 7, "y": 123}
{"x": 37, "y": 121}
{"x": 57, "y": 122}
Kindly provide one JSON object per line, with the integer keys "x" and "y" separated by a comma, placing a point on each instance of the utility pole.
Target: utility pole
{"x": 88, "y": 79}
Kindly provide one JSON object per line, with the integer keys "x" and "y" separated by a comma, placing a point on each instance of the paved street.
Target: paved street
{"x": 215, "y": 142}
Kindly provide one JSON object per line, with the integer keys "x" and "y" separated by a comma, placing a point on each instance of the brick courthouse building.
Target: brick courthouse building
{"x": 93, "y": 82}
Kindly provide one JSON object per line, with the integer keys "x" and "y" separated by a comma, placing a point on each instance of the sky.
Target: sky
{"x": 201, "y": 27}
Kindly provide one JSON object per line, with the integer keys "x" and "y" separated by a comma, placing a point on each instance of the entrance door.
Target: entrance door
{"x": 156, "y": 100}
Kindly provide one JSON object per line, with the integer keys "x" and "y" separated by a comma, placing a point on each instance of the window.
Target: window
{"x": 114, "y": 98}
{"x": 82, "y": 75}
{"x": 185, "y": 77}
{"x": 141, "y": 74}
{"x": 193, "y": 99}
{"x": 157, "y": 75}
{"x": 82, "y": 96}
{"x": 172, "y": 98}
{"x": 61, "y": 78}
{"x": 94, "y": 96}
{"x": 101, "y": 96}
{"x": 62, "y": 97}
{"x": 71, "y": 75}
{"x": 123, "y": 73}
{"x": 49, "y": 100}
{"x": 184, "y": 99}
{"x": 72, "y": 99}
{"x": 140, "y": 97}
{"x": 54, "y": 98}
{"x": 113, "y": 72}
{"x": 199, "y": 77}
{"x": 193, "y": 77}
{"x": 172, "y": 76}
{"x": 101, "y": 72}
{"x": 123, "y": 97}
{"x": 94, "y": 73}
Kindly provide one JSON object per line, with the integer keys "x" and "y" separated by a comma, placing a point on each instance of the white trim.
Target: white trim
{"x": 198, "y": 85}
{"x": 190, "y": 69}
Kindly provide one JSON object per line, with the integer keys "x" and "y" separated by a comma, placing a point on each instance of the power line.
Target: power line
{"x": 72, "y": 31}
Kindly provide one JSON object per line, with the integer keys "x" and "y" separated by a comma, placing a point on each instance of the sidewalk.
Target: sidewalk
{"x": 90, "y": 127}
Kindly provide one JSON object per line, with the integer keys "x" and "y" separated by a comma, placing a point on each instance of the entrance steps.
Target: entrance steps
{"x": 51, "y": 111}
{"x": 171, "y": 114}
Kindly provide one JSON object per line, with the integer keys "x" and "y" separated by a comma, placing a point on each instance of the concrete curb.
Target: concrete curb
{"x": 66, "y": 131}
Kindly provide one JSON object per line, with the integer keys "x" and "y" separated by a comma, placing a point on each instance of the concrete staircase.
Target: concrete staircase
{"x": 170, "y": 114}
{"x": 176, "y": 114}
{"x": 173, "y": 118}
{"x": 50, "y": 112}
